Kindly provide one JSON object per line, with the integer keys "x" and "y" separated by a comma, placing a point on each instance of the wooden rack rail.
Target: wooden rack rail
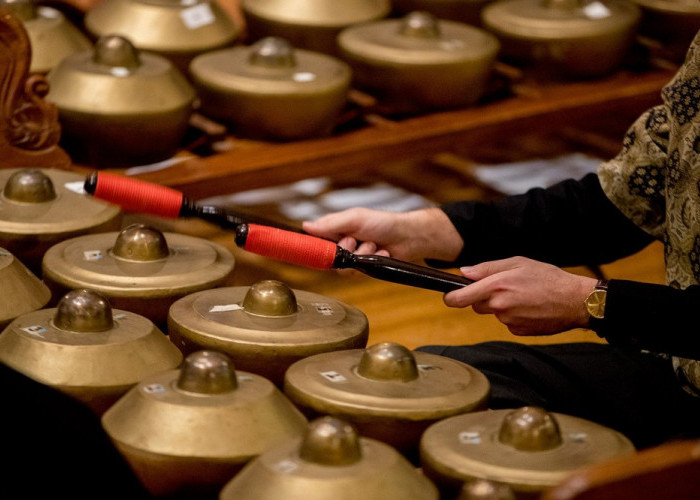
{"x": 249, "y": 164}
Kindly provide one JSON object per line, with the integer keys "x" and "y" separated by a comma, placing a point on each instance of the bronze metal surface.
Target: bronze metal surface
{"x": 41, "y": 207}
{"x": 119, "y": 106}
{"x": 309, "y": 24}
{"x": 192, "y": 429}
{"x": 528, "y": 449}
{"x": 272, "y": 90}
{"x": 671, "y": 23}
{"x": 86, "y": 349}
{"x": 420, "y": 62}
{"x": 52, "y": 37}
{"x": 564, "y": 38}
{"x": 265, "y": 327}
{"x": 171, "y": 28}
{"x": 386, "y": 391}
{"x": 22, "y": 291}
{"x": 463, "y": 11}
{"x": 483, "y": 489}
{"x": 138, "y": 283}
{"x": 330, "y": 461}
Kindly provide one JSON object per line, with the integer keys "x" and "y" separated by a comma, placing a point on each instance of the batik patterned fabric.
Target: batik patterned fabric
{"x": 655, "y": 181}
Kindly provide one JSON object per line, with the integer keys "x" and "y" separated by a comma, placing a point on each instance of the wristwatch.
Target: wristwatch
{"x": 595, "y": 302}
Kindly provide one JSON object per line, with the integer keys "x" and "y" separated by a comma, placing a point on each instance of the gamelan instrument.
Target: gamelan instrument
{"x": 560, "y": 39}
{"x": 309, "y": 24}
{"x": 139, "y": 268}
{"x": 86, "y": 349}
{"x": 267, "y": 240}
{"x": 529, "y": 449}
{"x": 52, "y": 36}
{"x": 41, "y": 207}
{"x": 331, "y": 460}
{"x": 169, "y": 28}
{"x": 266, "y": 327}
{"x": 119, "y": 106}
{"x": 420, "y": 63}
{"x": 186, "y": 432}
{"x": 23, "y": 292}
{"x": 272, "y": 91}
{"x": 386, "y": 391}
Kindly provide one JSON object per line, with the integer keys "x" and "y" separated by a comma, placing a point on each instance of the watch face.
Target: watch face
{"x": 595, "y": 303}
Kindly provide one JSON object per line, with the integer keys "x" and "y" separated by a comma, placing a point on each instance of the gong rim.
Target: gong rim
{"x": 466, "y": 446}
{"x": 317, "y": 13}
{"x": 219, "y": 315}
{"x": 529, "y": 19}
{"x": 132, "y": 349}
{"x": 380, "y": 42}
{"x": 157, "y": 417}
{"x": 22, "y": 290}
{"x": 164, "y": 26}
{"x": 282, "y": 465}
{"x": 329, "y": 382}
{"x": 229, "y": 71}
{"x": 52, "y": 37}
{"x": 87, "y": 262}
{"x": 69, "y": 212}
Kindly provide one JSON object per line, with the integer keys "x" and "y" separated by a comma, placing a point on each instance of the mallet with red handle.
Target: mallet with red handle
{"x": 266, "y": 238}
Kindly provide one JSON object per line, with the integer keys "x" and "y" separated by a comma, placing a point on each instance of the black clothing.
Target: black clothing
{"x": 634, "y": 393}
{"x": 574, "y": 223}
{"x": 55, "y": 446}
{"x": 571, "y": 223}
{"x": 620, "y": 384}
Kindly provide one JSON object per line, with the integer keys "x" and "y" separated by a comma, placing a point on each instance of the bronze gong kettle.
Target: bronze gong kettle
{"x": 86, "y": 349}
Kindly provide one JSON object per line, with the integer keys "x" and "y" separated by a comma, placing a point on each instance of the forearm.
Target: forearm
{"x": 653, "y": 317}
{"x": 571, "y": 223}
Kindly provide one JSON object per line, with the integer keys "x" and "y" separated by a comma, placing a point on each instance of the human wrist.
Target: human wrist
{"x": 432, "y": 235}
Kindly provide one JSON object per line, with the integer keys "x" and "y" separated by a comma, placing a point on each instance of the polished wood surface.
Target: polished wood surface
{"x": 29, "y": 128}
{"x": 668, "y": 471}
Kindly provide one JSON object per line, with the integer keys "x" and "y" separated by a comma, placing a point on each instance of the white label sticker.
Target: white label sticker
{"x": 303, "y": 76}
{"x": 427, "y": 368}
{"x": 35, "y": 329}
{"x": 286, "y": 466}
{"x": 578, "y": 437}
{"x": 92, "y": 255}
{"x": 120, "y": 71}
{"x": 333, "y": 376}
{"x": 153, "y": 388}
{"x": 323, "y": 308}
{"x": 225, "y": 307}
{"x": 469, "y": 437}
{"x": 197, "y": 16}
{"x": 596, "y": 10}
{"x": 76, "y": 187}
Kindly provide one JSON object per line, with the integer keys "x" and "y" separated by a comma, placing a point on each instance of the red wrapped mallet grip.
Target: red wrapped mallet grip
{"x": 287, "y": 246}
{"x": 139, "y": 196}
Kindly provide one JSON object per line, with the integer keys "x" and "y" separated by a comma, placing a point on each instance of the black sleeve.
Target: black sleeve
{"x": 569, "y": 224}
{"x": 574, "y": 223}
{"x": 653, "y": 317}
